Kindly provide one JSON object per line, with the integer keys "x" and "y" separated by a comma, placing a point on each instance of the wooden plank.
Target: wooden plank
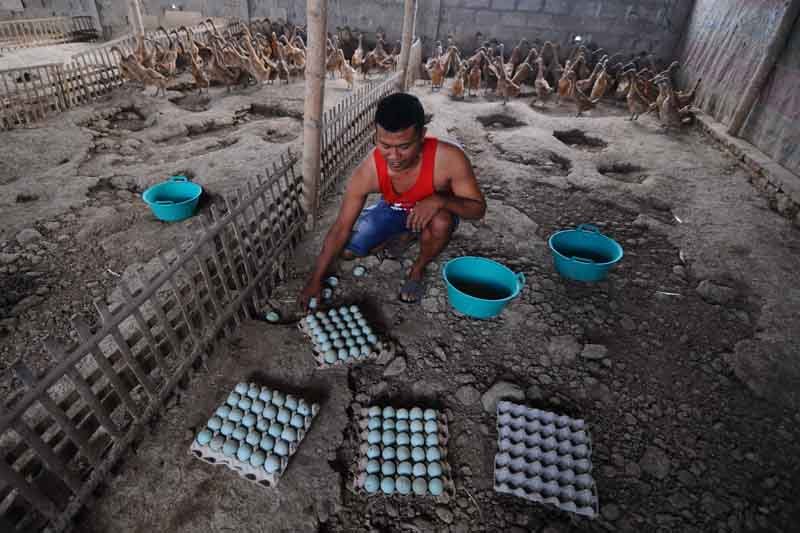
{"x": 165, "y": 324}
{"x": 127, "y": 355}
{"x": 34, "y": 496}
{"x": 219, "y": 268}
{"x": 120, "y": 388}
{"x": 229, "y": 258}
{"x": 195, "y": 336}
{"x": 145, "y": 329}
{"x": 48, "y": 456}
{"x": 240, "y": 242}
{"x": 77, "y": 436}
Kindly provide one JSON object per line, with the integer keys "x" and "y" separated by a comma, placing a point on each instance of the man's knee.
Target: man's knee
{"x": 441, "y": 225}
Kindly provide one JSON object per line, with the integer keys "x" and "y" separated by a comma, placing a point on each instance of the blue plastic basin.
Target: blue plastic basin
{"x": 584, "y": 254}
{"x": 480, "y": 287}
{"x": 173, "y": 200}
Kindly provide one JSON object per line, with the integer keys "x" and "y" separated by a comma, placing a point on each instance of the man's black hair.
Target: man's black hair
{"x": 399, "y": 111}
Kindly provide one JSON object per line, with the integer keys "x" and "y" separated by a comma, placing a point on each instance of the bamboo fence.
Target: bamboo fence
{"x": 29, "y": 95}
{"x": 60, "y": 439}
{"x": 27, "y": 33}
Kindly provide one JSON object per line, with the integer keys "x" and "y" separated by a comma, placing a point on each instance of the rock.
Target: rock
{"x": 679, "y": 271}
{"x": 28, "y": 235}
{"x": 655, "y": 462}
{"x": 679, "y": 500}
{"x": 7, "y": 259}
{"x": 468, "y": 395}
{"x": 430, "y": 305}
{"x": 371, "y": 262}
{"x": 534, "y": 393}
{"x": 27, "y": 303}
{"x": 610, "y": 512}
{"x": 52, "y": 226}
{"x": 389, "y": 266}
{"x": 439, "y": 352}
{"x": 395, "y": 368}
{"x": 499, "y": 391}
{"x": 563, "y": 349}
{"x": 594, "y": 351}
{"x": 715, "y": 293}
{"x": 444, "y": 514}
{"x": 650, "y": 223}
{"x": 628, "y": 324}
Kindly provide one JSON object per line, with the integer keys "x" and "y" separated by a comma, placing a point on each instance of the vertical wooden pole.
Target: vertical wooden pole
{"x": 405, "y": 49}
{"x": 135, "y": 17}
{"x": 317, "y": 20}
{"x": 771, "y": 54}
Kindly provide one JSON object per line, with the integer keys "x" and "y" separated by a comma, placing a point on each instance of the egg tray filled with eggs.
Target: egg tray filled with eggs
{"x": 255, "y": 432}
{"x": 403, "y": 452}
{"x": 342, "y": 336}
{"x": 545, "y": 458}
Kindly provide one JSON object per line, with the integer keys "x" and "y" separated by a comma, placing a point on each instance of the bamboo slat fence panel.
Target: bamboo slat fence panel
{"x": 62, "y": 436}
{"x": 27, "y": 33}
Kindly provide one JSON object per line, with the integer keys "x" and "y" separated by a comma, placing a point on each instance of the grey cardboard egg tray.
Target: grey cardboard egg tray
{"x": 545, "y": 458}
{"x": 254, "y": 474}
{"x": 383, "y": 348}
{"x": 359, "y": 469}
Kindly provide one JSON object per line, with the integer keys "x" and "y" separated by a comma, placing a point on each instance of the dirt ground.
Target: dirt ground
{"x": 691, "y": 400}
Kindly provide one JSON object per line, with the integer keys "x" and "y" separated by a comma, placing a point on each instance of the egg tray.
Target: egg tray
{"x": 254, "y": 474}
{"x": 382, "y": 349}
{"x": 359, "y": 468}
{"x": 545, "y": 458}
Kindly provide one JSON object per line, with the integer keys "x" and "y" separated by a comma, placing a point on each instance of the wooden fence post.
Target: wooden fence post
{"x": 405, "y": 50}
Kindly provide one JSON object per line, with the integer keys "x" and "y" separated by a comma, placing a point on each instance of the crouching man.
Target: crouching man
{"x": 427, "y": 186}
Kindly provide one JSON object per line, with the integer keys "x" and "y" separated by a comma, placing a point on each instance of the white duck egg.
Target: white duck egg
{"x": 249, "y": 420}
{"x": 345, "y": 334}
{"x": 204, "y": 437}
{"x": 366, "y": 330}
{"x": 257, "y": 407}
{"x": 350, "y": 342}
{"x": 281, "y": 447}
{"x": 434, "y": 469}
{"x": 278, "y": 399}
{"x": 284, "y": 415}
{"x": 431, "y": 426}
{"x": 253, "y": 438}
{"x": 374, "y": 437}
{"x": 404, "y": 468}
{"x": 353, "y": 308}
{"x": 417, "y": 454}
{"x": 343, "y": 353}
{"x": 402, "y": 484}
{"x": 361, "y": 322}
{"x": 216, "y": 443}
{"x": 359, "y": 271}
{"x": 275, "y": 430}
{"x": 429, "y": 414}
{"x": 333, "y": 281}
{"x": 325, "y": 346}
{"x": 373, "y": 466}
{"x": 267, "y": 443}
{"x": 289, "y": 434}
{"x": 583, "y": 481}
{"x": 272, "y": 463}
{"x": 436, "y": 486}
{"x": 227, "y": 428}
{"x": 365, "y": 350}
{"x": 214, "y": 423}
{"x": 321, "y": 337}
{"x": 388, "y": 453}
{"x": 388, "y": 412}
{"x": 403, "y": 453}
{"x": 375, "y": 411}
{"x": 257, "y": 458}
{"x": 332, "y": 313}
{"x": 388, "y": 468}
{"x": 402, "y": 414}
{"x": 334, "y": 335}
{"x": 302, "y": 408}
{"x": 372, "y": 484}
{"x": 253, "y": 391}
{"x": 374, "y": 422}
{"x": 403, "y": 439}
{"x": 311, "y": 320}
{"x": 291, "y": 402}
{"x": 239, "y": 433}
{"x": 432, "y": 439}
{"x": 233, "y": 399}
{"x": 579, "y": 451}
{"x": 265, "y": 395}
{"x": 564, "y": 447}
{"x": 583, "y": 497}
{"x": 245, "y": 403}
{"x": 338, "y": 343}
{"x": 373, "y": 451}
{"x": 230, "y": 447}
{"x": 354, "y": 351}
{"x": 387, "y": 485}
{"x": 420, "y": 470}
{"x": 361, "y": 341}
{"x": 235, "y": 415}
{"x": 223, "y": 411}
{"x": 269, "y": 412}
{"x": 319, "y": 314}
{"x": 312, "y": 303}
{"x": 388, "y": 423}
{"x": 241, "y": 388}
{"x": 244, "y": 452}
{"x": 417, "y": 439}
{"x": 416, "y": 426}
{"x": 401, "y": 425}
{"x": 327, "y": 293}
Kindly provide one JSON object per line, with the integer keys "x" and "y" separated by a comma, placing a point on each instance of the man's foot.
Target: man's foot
{"x": 412, "y": 290}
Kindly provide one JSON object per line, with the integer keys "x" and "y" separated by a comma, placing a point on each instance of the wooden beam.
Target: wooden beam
{"x": 773, "y": 51}
{"x": 135, "y": 17}
{"x": 405, "y": 49}
{"x": 317, "y": 20}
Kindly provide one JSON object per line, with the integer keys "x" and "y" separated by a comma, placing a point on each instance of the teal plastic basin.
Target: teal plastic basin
{"x": 173, "y": 200}
{"x": 584, "y": 254}
{"x": 479, "y": 287}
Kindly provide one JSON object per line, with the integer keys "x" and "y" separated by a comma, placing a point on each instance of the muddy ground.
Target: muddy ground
{"x": 687, "y": 385}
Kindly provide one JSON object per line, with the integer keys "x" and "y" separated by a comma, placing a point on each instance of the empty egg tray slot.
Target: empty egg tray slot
{"x": 255, "y": 432}
{"x": 407, "y": 446}
{"x": 338, "y": 337}
{"x": 546, "y": 458}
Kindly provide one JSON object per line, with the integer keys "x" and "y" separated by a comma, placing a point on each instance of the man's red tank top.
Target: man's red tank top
{"x": 423, "y": 186}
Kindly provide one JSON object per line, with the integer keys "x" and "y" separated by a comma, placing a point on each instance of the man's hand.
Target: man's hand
{"x": 423, "y": 212}
{"x": 312, "y": 290}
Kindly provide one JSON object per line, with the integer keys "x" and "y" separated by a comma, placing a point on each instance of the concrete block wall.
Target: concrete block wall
{"x": 46, "y": 8}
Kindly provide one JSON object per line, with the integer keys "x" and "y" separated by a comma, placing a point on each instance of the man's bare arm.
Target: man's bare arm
{"x": 467, "y": 200}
